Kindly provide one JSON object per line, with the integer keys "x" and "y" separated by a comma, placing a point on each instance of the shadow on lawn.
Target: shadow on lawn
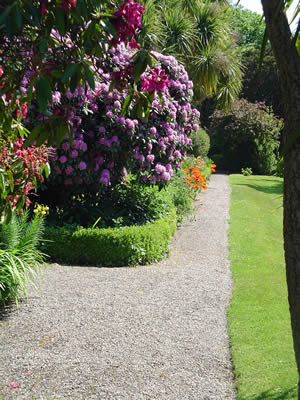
{"x": 275, "y": 188}
{"x": 270, "y": 395}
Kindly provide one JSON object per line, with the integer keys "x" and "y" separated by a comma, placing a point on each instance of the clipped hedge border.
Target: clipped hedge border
{"x": 111, "y": 247}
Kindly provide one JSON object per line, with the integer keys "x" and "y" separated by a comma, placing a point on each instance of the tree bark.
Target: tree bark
{"x": 288, "y": 62}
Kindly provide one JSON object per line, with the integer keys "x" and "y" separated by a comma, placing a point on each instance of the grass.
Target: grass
{"x": 258, "y": 318}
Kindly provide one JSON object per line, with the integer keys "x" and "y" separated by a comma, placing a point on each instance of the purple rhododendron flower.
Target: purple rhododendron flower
{"x": 82, "y": 166}
{"x": 63, "y": 159}
{"x": 105, "y": 143}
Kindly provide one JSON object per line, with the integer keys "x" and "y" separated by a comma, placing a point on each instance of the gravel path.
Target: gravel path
{"x": 148, "y": 333}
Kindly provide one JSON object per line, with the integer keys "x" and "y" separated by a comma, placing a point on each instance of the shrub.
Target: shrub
{"x": 155, "y": 210}
{"x": 19, "y": 257}
{"x": 111, "y": 246}
{"x": 109, "y": 140}
{"x": 279, "y": 168}
{"x": 246, "y": 171}
{"x": 246, "y": 137}
{"x": 126, "y": 204}
{"x": 201, "y": 143}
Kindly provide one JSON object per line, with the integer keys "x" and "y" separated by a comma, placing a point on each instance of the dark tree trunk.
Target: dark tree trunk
{"x": 288, "y": 62}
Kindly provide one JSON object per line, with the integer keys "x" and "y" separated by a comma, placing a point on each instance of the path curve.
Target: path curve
{"x": 148, "y": 333}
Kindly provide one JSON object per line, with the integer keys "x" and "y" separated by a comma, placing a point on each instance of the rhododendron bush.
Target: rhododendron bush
{"x": 107, "y": 146}
{"x": 50, "y": 45}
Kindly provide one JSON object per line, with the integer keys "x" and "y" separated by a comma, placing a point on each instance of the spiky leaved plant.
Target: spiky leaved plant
{"x": 20, "y": 258}
{"x": 200, "y": 35}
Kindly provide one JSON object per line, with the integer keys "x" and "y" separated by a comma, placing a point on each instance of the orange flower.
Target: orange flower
{"x": 204, "y": 187}
{"x": 186, "y": 170}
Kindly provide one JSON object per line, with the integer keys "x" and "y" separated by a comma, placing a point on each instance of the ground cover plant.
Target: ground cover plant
{"x": 258, "y": 318}
{"x": 20, "y": 258}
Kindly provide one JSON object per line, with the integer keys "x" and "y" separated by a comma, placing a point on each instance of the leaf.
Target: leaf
{"x": 69, "y": 72}
{"x": 60, "y": 20}
{"x": 46, "y": 169}
{"x": 43, "y": 45}
{"x": 61, "y": 133}
{"x": 2, "y": 182}
{"x": 263, "y": 49}
{"x": 126, "y": 105}
{"x": 33, "y": 135}
{"x": 19, "y": 18}
{"x": 6, "y": 12}
{"x": 89, "y": 76}
{"x": 140, "y": 65}
{"x": 43, "y": 93}
{"x": 109, "y": 28}
{"x": 30, "y": 89}
{"x": 43, "y": 136}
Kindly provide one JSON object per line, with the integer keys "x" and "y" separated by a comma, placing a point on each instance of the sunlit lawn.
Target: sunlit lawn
{"x": 259, "y": 323}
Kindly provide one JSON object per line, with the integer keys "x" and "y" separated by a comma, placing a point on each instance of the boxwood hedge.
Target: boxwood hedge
{"x": 123, "y": 246}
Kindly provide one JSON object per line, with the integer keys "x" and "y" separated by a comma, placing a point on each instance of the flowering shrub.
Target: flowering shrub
{"x": 21, "y": 168}
{"x": 106, "y": 145}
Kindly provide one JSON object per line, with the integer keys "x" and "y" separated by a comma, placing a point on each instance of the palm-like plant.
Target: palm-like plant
{"x": 198, "y": 33}
{"x": 20, "y": 259}
{"x": 152, "y": 33}
{"x": 179, "y": 32}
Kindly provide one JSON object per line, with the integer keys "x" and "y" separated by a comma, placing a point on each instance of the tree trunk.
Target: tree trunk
{"x": 288, "y": 62}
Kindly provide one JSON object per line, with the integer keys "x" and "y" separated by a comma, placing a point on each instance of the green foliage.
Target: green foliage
{"x": 180, "y": 32}
{"x": 279, "y": 168}
{"x": 134, "y": 226}
{"x": 247, "y": 137}
{"x": 126, "y": 204}
{"x": 129, "y": 245}
{"x": 246, "y": 171}
{"x": 262, "y": 84}
{"x": 249, "y": 26}
{"x": 152, "y": 32}
{"x": 19, "y": 257}
{"x": 201, "y": 143}
{"x": 258, "y": 317}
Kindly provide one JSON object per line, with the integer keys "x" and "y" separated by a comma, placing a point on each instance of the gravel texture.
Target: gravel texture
{"x": 147, "y": 333}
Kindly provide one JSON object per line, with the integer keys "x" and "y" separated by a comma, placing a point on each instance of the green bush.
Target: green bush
{"x": 20, "y": 259}
{"x": 130, "y": 245}
{"x": 126, "y": 204}
{"x": 246, "y": 137}
{"x": 201, "y": 143}
{"x": 246, "y": 171}
{"x": 155, "y": 211}
{"x": 279, "y": 168}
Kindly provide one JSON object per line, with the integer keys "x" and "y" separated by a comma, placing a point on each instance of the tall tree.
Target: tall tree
{"x": 288, "y": 61}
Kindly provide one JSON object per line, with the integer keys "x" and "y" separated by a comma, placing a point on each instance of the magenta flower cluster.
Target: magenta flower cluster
{"x": 107, "y": 146}
{"x": 126, "y": 21}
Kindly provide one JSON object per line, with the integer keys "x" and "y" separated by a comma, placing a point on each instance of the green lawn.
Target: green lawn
{"x": 258, "y": 317}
